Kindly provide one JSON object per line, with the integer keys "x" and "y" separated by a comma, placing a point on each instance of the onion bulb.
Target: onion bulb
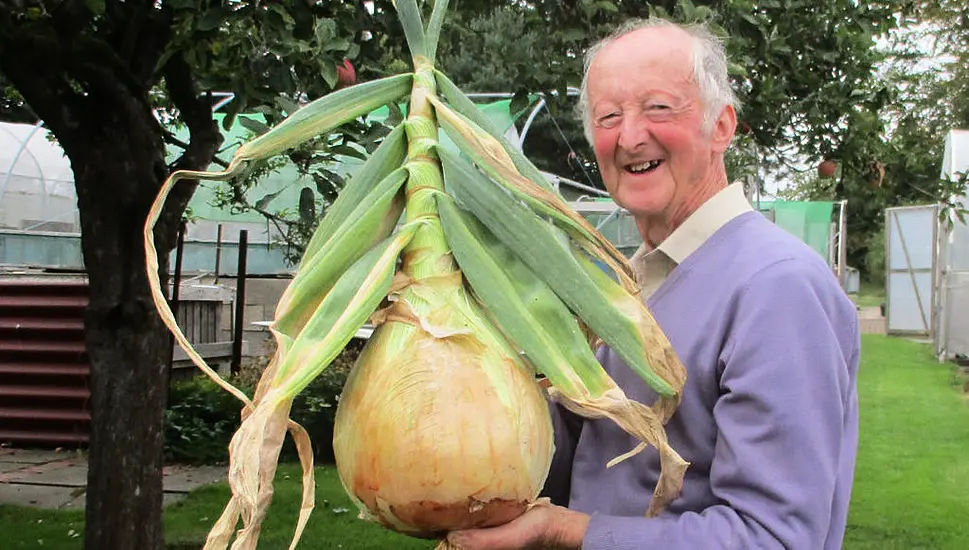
{"x": 436, "y": 432}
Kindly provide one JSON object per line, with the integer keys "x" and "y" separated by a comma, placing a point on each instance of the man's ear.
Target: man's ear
{"x": 724, "y": 129}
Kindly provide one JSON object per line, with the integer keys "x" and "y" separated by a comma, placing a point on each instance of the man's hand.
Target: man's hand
{"x": 543, "y": 526}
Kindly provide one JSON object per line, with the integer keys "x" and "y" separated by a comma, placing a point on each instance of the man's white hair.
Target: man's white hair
{"x": 709, "y": 69}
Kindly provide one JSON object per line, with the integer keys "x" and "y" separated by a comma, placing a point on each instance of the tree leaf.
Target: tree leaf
{"x": 283, "y": 15}
{"x": 329, "y": 74}
{"x": 608, "y": 6}
{"x": 348, "y": 151}
{"x": 519, "y": 102}
{"x": 95, "y": 6}
{"x": 736, "y": 70}
{"x": 395, "y": 116}
{"x": 337, "y": 44}
{"x": 307, "y": 205}
{"x": 336, "y": 180}
{"x": 213, "y": 18}
{"x": 253, "y": 125}
{"x": 233, "y": 108}
{"x": 326, "y": 187}
{"x": 325, "y": 30}
{"x": 287, "y": 105}
{"x": 687, "y": 10}
{"x": 373, "y": 134}
{"x": 263, "y": 203}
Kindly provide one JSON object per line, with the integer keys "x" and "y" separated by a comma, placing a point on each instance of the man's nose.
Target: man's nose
{"x": 633, "y": 132}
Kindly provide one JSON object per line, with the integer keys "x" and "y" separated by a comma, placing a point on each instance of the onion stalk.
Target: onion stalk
{"x": 479, "y": 279}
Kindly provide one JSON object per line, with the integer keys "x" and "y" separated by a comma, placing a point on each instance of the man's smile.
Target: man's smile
{"x": 643, "y": 167}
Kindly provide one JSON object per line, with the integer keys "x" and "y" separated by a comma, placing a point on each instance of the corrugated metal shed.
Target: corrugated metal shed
{"x": 44, "y": 371}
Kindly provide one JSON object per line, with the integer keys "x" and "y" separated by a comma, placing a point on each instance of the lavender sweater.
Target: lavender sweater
{"x": 769, "y": 418}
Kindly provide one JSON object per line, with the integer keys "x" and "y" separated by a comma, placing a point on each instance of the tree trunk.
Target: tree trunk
{"x": 121, "y": 170}
{"x": 117, "y": 170}
{"x": 96, "y": 103}
{"x": 127, "y": 345}
{"x": 123, "y": 166}
{"x": 116, "y": 150}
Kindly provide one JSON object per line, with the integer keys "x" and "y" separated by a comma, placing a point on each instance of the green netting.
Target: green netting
{"x": 808, "y": 220}
{"x": 281, "y": 189}
{"x": 620, "y": 228}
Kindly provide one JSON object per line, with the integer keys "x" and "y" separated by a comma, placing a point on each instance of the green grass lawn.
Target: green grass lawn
{"x": 869, "y": 295}
{"x": 333, "y": 524}
{"x": 911, "y": 486}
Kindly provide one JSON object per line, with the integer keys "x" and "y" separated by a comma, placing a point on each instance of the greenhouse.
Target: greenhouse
{"x": 40, "y": 226}
{"x": 927, "y": 266}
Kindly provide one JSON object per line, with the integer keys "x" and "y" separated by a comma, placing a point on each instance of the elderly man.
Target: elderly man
{"x": 769, "y": 413}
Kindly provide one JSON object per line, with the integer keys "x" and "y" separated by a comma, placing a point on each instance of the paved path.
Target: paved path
{"x": 870, "y": 320}
{"x": 57, "y": 479}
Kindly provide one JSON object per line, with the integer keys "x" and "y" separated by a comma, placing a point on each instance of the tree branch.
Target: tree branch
{"x": 281, "y": 224}
{"x": 90, "y": 57}
{"x": 204, "y": 139}
{"x": 142, "y": 42}
{"x": 135, "y": 15}
{"x": 70, "y": 17}
{"x": 25, "y": 60}
{"x": 195, "y": 111}
{"x": 99, "y": 66}
{"x": 171, "y": 139}
{"x": 39, "y": 48}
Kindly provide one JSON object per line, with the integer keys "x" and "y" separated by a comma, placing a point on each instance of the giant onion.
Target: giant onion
{"x": 490, "y": 280}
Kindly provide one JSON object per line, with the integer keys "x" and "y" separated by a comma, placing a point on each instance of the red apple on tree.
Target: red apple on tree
{"x": 826, "y": 168}
{"x": 346, "y": 75}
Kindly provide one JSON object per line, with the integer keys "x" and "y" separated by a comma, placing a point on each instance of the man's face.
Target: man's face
{"x": 647, "y": 123}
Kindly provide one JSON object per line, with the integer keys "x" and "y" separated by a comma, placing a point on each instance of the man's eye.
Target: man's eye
{"x": 608, "y": 120}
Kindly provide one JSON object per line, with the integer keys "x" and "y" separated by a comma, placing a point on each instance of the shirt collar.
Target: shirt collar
{"x": 726, "y": 205}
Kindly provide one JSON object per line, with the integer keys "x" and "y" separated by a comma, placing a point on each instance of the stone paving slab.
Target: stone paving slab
{"x": 870, "y": 312}
{"x": 7, "y": 467}
{"x": 78, "y": 500}
{"x": 177, "y": 479}
{"x": 182, "y": 479}
{"x": 57, "y": 479}
{"x": 70, "y": 473}
{"x": 40, "y": 496}
{"x": 53, "y": 479}
{"x": 30, "y": 456}
{"x": 870, "y": 320}
{"x": 872, "y": 326}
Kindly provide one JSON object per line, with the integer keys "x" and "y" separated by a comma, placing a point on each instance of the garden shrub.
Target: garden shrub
{"x": 875, "y": 257}
{"x": 199, "y": 421}
{"x": 202, "y": 417}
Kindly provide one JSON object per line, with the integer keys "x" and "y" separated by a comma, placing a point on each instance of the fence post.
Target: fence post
{"x": 240, "y": 303}
{"x": 173, "y": 302}
{"x": 218, "y": 253}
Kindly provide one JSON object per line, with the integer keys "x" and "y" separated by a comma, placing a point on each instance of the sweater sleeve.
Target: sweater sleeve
{"x": 781, "y": 419}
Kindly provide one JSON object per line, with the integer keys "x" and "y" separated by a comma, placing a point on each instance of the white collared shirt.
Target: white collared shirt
{"x": 653, "y": 266}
